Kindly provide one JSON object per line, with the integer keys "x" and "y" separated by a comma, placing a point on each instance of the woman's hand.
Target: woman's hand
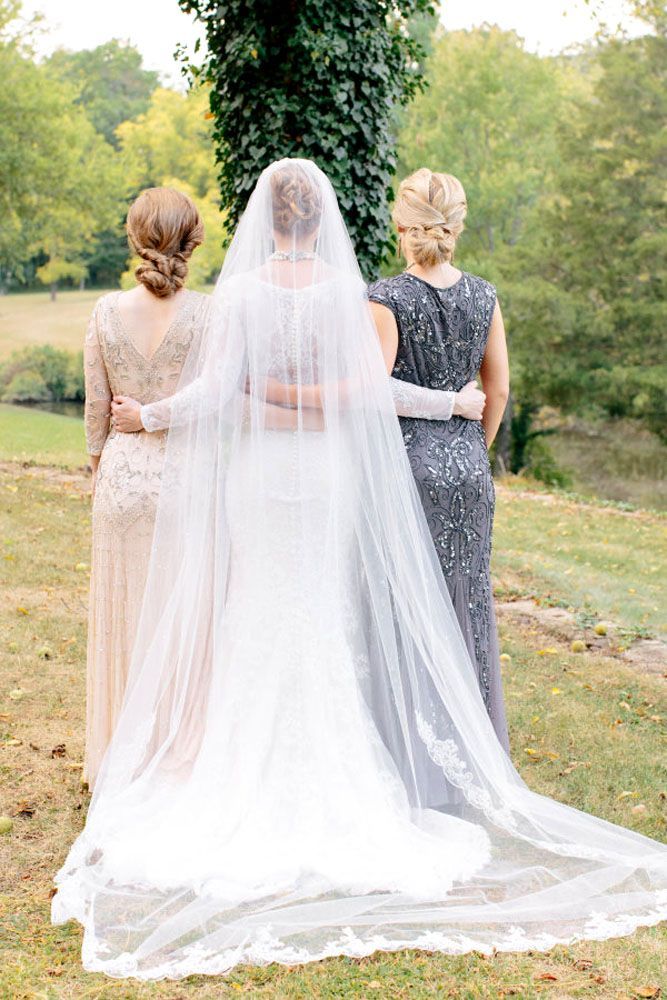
{"x": 470, "y": 402}
{"x": 126, "y": 414}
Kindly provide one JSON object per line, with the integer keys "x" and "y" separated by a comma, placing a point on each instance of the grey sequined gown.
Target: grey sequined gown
{"x": 442, "y": 338}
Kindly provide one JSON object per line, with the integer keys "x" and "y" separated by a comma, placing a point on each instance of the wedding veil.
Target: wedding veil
{"x": 294, "y": 593}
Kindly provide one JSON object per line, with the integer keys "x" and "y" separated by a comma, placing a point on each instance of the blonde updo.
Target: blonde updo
{"x": 297, "y": 201}
{"x": 163, "y": 228}
{"x": 429, "y": 211}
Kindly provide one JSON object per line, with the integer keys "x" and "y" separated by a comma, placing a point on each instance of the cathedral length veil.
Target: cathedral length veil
{"x": 303, "y": 766}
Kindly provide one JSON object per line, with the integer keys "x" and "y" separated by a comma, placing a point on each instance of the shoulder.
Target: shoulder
{"x": 390, "y": 292}
{"x": 198, "y": 302}
{"x": 99, "y": 314}
{"x": 482, "y": 289}
{"x": 105, "y": 302}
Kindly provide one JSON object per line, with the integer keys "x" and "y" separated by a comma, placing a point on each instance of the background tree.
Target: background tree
{"x": 58, "y": 182}
{"x": 110, "y": 83}
{"x": 171, "y": 144}
{"x": 600, "y": 241}
{"x": 319, "y": 79}
{"x": 112, "y": 86}
{"x": 490, "y": 116}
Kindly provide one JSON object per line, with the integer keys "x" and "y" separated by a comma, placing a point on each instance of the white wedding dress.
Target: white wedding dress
{"x": 304, "y": 766}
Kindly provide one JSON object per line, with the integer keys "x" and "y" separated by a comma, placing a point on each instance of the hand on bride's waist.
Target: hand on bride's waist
{"x": 126, "y": 414}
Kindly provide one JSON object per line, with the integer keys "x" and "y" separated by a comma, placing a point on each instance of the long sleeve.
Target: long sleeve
{"x": 98, "y": 392}
{"x": 198, "y": 399}
{"x": 179, "y": 409}
{"x": 421, "y": 402}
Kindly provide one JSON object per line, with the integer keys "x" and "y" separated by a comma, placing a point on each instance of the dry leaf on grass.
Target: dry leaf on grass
{"x": 59, "y": 750}
{"x": 24, "y": 809}
{"x": 647, "y": 992}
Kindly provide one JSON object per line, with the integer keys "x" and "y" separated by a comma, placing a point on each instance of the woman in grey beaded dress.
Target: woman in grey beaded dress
{"x": 443, "y": 327}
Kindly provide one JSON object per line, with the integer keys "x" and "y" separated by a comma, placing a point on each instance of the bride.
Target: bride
{"x": 303, "y": 765}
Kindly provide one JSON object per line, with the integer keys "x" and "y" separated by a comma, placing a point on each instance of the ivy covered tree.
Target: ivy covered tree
{"x": 319, "y": 79}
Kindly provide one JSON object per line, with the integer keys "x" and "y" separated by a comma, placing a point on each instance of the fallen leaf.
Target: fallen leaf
{"x": 24, "y": 809}
{"x": 647, "y": 992}
{"x": 547, "y": 977}
{"x": 60, "y": 750}
{"x": 573, "y": 765}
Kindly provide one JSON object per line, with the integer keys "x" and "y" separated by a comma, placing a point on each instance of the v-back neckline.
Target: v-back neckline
{"x": 149, "y": 359}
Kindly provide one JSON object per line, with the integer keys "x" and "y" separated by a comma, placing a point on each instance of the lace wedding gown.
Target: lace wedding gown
{"x": 303, "y": 765}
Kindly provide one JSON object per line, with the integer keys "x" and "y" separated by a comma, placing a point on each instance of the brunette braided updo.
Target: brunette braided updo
{"x": 163, "y": 228}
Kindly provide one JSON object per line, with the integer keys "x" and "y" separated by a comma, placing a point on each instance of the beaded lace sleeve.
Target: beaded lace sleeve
{"x": 420, "y": 402}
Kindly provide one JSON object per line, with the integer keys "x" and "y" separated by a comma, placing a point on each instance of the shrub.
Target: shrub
{"x": 542, "y": 465}
{"x": 42, "y": 374}
{"x": 26, "y": 386}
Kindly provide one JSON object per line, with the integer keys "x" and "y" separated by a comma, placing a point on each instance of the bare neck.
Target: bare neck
{"x": 441, "y": 275}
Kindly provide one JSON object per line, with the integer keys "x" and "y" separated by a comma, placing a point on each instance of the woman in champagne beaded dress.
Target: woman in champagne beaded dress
{"x": 136, "y": 344}
{"x": 442, "y": 327}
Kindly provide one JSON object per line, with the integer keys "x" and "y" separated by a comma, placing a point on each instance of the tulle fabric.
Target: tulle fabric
{"x": 303, "y": 765}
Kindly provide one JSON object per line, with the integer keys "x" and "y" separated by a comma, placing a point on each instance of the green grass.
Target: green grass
{"x": 31, "y": 318}
{"x": 598, "y": 558}
{"x": 41, "y": 438}
{"x": 594, "y": 740}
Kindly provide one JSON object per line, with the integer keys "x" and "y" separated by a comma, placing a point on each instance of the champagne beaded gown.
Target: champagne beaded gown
{"x": 128, "y": 483}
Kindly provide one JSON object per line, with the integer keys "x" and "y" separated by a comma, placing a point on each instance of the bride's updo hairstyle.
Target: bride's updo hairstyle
{"x": 163, "y": 228}
{"x": 430, "y": 210}
{"x": 297, "y": 201}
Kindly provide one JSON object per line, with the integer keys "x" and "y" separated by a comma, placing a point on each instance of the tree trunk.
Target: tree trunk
{"x": 53, "y": 288}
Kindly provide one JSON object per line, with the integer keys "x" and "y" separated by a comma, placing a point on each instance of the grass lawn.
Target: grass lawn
{"x": 31, "y": 318}
{"x": 606, "y": 562}
{"x": 594, "y": 726}
{"x": 39, "y": 438}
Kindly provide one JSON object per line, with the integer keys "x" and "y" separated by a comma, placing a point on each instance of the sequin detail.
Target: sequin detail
{"x": 442, "y": 338}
